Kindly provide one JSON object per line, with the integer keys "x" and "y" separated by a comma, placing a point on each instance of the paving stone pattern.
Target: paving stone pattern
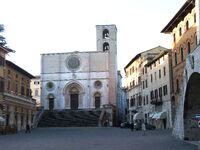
{"x": 92, "y": 138}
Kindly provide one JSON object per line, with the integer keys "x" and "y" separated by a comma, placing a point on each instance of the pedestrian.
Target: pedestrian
{"x": 143, "y": 128}
{"x": 28, "y": 130}
{"x": 132, "y": 126}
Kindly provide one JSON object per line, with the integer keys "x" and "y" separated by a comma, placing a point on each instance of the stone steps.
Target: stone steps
{"x": 69, "y": 118}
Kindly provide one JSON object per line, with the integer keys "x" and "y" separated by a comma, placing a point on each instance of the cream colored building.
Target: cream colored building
{"x": 134, "y": 82}
{"x": 158, "y": 75}
{"x": 36, "y": 89}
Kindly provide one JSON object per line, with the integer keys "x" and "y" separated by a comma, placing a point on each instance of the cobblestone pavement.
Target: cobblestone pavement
{"x": 92, "y": 139}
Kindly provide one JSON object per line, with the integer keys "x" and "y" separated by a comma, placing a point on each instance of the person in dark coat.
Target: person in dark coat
{"x": 28, "y": 130}
{"x": 132, "y": 126}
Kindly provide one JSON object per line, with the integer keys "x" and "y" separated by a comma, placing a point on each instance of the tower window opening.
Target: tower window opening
{"x": 105, "y": 33}
{"x": 106, "y": 46}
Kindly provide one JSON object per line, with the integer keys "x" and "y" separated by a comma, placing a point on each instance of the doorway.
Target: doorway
{"x": 51, "y": 103}
{"x": 74, "y": 101}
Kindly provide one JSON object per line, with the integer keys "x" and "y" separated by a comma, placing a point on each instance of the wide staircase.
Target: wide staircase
{"x": 70, "y": 118}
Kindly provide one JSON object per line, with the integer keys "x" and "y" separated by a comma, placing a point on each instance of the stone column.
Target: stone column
{"x": 197, "y": 8}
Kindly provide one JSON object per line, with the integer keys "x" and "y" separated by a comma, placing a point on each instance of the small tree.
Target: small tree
{"x": 3, "y": 39}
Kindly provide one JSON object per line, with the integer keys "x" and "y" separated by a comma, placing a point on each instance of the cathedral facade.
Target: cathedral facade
{"x": 82, "y": 80}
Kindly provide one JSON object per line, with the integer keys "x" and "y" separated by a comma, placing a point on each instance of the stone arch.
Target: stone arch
{"x": 106, "y": 46}
{"x": 184, "y": 125}
{"x": 192, "y": 107}
{"x": 51, "y": 100}
{"x": 97, "y": 100}
{"x": 73, "y": 93}
{"x": 105, "y": 33}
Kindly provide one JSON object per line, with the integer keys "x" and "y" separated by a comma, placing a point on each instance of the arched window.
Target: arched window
{"x": 105, "y": 33}
{"x": 187, "y": 25}
{"x": 106, "y": 46}
{"x": 189, "y": 48}
{"x": 180, "y": 31}
{"x": 175, "y": 57}
{"x": 97, "y": 98}
{"x": 182, "y": 55}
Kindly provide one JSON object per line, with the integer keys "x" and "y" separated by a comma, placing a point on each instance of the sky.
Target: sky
{"x": 34, "y": 27}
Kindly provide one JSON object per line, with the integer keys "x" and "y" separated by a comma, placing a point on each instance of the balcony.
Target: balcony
{"x": 157, "y": 101}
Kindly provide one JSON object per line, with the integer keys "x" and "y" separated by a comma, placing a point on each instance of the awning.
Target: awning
{"x": 160, "y": 115}
{"x": 137, "y": 116}
{"x": 2, "y": 119}
{"x": 151, "y": 115}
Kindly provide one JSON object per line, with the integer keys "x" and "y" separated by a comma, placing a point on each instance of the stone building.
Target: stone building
{"x": 158, "y": 76}
{"x": 19, "y": 106}
{"x": 82, "y": 80}
{"x": 36, "y": 90}
{"x": 134, "y": 71}
{"x": 185, "y": 27}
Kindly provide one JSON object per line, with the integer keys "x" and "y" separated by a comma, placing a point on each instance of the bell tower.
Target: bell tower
{"x": 107, "y": 42}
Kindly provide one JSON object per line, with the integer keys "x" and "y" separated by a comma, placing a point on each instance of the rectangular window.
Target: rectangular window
{"x": 151, "y": 78}
{"x": 147, "y": 100}
{"x": 140, "y": 100}
{"x": 155, "y": 75}
{"x": 156, "y": 93}
{"x": 159, "y": 73}
{"x": 1, "y": 84}
{"x": 143, "y": 84}
{"x": 131, "y": 101}
{"x": 152, "y": 95}
{"x": 144, "y": 101}
{"x": 165, "y": 90}
{"x": 145, "y": 69}
{"x": 164, "y": 71}
{"x": 160, "y": 92}
{"x": 146, "y": 84}
{"x": 22, "y": 90}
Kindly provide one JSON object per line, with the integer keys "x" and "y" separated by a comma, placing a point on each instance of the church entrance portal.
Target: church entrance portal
{"x": 51, "y": 102}
{"x": 74, "y": 101}
{"x": 191, "y": 108}
{"x": 97, "y": 100}
{"x": 74, "y": 98}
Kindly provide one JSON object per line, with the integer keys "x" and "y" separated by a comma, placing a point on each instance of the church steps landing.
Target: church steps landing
{"x": 70, "y": 118}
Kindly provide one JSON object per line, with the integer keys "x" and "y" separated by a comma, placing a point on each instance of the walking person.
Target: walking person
{"x": 132, "y": 126}
{"x": 143, "y": 128}
{"x": 28, "y": 130}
